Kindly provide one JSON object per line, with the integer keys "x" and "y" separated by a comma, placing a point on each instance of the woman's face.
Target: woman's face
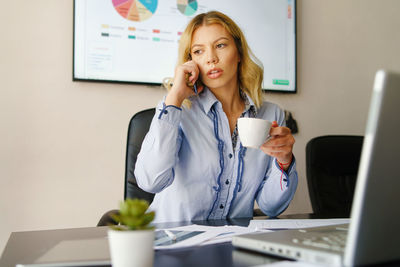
{"x": 215, "y": 52}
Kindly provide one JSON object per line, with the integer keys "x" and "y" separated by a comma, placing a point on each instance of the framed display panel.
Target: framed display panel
{"x": 136, "y": 41}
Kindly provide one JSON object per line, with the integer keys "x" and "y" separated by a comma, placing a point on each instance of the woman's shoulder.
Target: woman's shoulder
{"x": 270, "y": 111}
{"x": 267, "y": 106}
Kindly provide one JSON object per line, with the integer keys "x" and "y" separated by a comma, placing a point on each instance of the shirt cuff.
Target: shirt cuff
{"x": 288, "y": 171}
{"x": 286, "y": 174}
{"x": 170, "y": 114}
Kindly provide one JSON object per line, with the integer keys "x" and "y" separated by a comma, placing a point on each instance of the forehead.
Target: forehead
{"x": 211, "y": 32}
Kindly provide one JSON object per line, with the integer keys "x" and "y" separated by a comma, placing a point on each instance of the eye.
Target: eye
{"x": 197, "y": 52}
{"x": 221, "y": 45}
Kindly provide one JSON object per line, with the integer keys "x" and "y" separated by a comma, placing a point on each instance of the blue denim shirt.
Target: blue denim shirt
{"x": 188, "y": 160}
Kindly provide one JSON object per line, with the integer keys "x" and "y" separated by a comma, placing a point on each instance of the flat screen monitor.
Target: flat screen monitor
{"x": 136, "y": 41}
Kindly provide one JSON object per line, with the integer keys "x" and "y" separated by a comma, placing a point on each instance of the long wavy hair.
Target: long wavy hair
{"x": 250, "y": 70}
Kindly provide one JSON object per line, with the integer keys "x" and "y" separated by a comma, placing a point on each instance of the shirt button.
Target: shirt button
{"x": 221, "y": 206}
{"x": 230, "y": 155}
{"x": 227, "y": 182}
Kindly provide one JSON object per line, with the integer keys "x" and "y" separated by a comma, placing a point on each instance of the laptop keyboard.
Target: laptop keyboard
{"x": 335, "y": 241}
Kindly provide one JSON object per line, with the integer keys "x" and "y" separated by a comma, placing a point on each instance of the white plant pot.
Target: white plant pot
{"x": 131, "y": 248}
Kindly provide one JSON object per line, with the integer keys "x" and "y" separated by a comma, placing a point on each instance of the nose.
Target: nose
{"x": 212, "y": 57}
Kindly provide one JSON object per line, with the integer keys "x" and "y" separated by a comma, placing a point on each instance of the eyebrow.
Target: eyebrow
{"x": 219, "y": 39}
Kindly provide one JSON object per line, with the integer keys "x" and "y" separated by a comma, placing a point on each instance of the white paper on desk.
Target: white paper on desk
{"x": 275, "y": 224}
{"x": 210, "y": 235}
{"x": 290, "y": 264}
{"x": 228, "y": 231}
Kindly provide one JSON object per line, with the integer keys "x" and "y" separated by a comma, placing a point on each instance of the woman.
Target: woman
{"x": 192, "y": 157}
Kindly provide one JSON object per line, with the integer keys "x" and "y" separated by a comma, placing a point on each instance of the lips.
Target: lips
{"x": 214, "y": 73}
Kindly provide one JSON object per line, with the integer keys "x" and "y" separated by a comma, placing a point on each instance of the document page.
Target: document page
{"x": 281, "y": 224}
{"x": 192, "y": 235}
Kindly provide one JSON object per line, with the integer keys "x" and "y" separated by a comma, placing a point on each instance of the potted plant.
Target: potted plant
{"x": 131, "y": 242}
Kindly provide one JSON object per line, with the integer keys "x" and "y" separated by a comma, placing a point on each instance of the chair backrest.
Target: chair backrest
{"x": 332, "y": 165}
{"x": 138, "y": 127}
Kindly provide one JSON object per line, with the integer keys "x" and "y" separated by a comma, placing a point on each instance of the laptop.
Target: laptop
{"x": 373, "y": 234}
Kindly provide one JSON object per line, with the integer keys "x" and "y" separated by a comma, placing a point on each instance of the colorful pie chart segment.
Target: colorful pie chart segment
{"x": 187, "y": 7}
{"x": 135, "y": 10}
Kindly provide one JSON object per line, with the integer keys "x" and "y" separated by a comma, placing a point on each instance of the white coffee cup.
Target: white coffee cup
{"x": 253, "y": 132}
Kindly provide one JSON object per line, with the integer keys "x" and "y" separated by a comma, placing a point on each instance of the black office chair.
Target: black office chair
{"x": 138, "y": 127}
{"x": 331, "y": 166}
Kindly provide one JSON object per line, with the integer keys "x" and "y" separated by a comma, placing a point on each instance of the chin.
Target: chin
{"x": 213, "y": 84}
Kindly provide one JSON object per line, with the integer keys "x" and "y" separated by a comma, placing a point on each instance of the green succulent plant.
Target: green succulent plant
{"x": 133, "y": 215}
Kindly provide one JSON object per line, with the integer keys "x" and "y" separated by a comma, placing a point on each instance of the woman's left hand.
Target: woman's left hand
{"x": 280, "y": 145}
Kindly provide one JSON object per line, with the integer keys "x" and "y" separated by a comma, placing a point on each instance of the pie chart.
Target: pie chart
{"x": 187, "y": 7}
{"x": 135, "y": 10}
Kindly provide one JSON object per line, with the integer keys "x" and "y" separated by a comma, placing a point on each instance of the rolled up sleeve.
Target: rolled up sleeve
{"x": 154, "y": 169}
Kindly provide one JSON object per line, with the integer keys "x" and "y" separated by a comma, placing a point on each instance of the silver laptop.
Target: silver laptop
{"x": 373, "y": 235}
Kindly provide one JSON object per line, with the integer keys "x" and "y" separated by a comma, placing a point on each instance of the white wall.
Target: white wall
{"x": 62, "y": 143}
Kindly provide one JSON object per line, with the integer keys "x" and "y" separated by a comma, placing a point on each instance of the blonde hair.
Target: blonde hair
{"x": 250, "y": 73}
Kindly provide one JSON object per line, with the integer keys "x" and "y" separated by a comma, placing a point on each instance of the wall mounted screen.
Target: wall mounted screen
{"x": 137, "y": 40}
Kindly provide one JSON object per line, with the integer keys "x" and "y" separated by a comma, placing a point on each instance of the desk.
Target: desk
{"x": 25, "y": 247}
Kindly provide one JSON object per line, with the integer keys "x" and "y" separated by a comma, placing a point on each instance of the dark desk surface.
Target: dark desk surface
{"x": 25, "y": 247}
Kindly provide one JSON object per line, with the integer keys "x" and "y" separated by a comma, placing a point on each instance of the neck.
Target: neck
{"x": 230, "y": 99}
{"x": 232, "y": 104}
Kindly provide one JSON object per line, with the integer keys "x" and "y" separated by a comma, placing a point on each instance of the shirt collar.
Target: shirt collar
{"x": 250, "y": 107}
{"x": 207, "y": 99}
{"x": 248, "y": 102}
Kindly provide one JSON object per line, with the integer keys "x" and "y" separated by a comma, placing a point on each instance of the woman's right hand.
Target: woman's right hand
{"x": 186, "y": 75}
